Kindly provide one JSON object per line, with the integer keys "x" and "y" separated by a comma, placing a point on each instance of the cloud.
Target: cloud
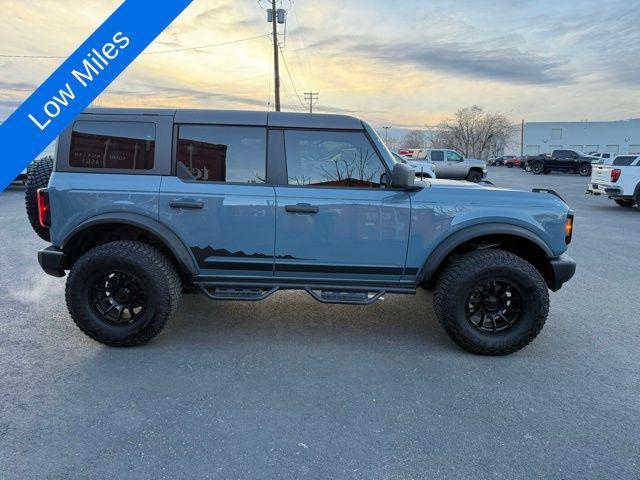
{"x": 502, "y": 64}
{"x": 487, "y": 59}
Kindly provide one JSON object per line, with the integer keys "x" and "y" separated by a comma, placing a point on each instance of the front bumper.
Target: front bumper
{"x": 51, "y": 260}
{"x": 564, "y": 267}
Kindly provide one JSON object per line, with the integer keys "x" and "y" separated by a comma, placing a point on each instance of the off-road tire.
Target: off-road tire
{"x": 624, "y": 202}
{"x": 156, "y": 274}
{"x": 537, "y": 168}
{"x": 38, "y": 174}
{"x": 465, "y": 273}
{"x": 584, "y": 170}
{"x": 474, "y": 176}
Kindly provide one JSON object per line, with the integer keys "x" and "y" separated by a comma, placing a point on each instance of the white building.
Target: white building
{"x": 615, "y": 137}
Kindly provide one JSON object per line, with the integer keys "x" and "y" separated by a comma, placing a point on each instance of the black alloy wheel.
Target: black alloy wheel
{"x": 117, "y": 298}
{"x": 495, "y": 306}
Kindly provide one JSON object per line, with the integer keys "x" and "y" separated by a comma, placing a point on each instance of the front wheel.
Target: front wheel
{"x": 537, "y": 168}
{"x": 474, "y": 176}
{"x": 625, "y": 203}
{"x": 122, "y": 293}
{"x": 491, "y": 302}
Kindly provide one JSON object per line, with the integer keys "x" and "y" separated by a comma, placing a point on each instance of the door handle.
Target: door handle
{"x": 301, "y": 208}
{"x": 186, "y": 204}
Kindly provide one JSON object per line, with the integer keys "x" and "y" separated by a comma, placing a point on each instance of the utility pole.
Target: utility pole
{"x": 386, "y": 135}
{"x": 311, "y": 97}
{"x": 276, "y": 60}
{"x": 522, "y": 139}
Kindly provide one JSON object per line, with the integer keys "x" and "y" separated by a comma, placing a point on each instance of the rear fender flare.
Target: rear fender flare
{"x": 170, "y": 239}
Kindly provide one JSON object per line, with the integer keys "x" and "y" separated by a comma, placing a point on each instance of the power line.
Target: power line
{"x": 199, "y": 47}
{"x": 293, "y": 84}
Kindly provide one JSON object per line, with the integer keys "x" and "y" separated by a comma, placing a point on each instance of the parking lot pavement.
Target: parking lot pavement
{"x": 290, "y": 388}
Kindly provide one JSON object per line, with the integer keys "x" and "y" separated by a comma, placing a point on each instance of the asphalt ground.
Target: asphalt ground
{"x": 290, "y": 388}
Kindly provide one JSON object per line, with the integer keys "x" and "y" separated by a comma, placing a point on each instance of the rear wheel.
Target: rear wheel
{"x": 474, "y": 176}
{"x": 38, "y": 174}
{"x": 491, "y": 302}
{"x": 624, "y": 202}
{"x": 584, "y": 170}
{"x": 537, "y": 168}
{"x": 122, "y": 293}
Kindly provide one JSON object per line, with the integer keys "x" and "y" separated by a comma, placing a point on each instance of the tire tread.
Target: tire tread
{"x": 467, "y": 264}
{"x": 162, "y": 271}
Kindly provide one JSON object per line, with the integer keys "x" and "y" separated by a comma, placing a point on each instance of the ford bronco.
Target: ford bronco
{"x": 143, "y": 205}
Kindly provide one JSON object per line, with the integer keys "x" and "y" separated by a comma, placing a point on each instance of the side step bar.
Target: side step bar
{"x": 331, "y": 294}
{"x": 239, "y": 293}
{"x": 346, "y": 297}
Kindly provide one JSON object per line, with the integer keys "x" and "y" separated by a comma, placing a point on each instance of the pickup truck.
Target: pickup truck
{"x": 571, "y": 161}
{"x": 449, "y": 164}
{"x": 620, "y": 181}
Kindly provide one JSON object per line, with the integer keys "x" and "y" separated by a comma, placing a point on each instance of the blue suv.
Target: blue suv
{"x": 143, "y": 205}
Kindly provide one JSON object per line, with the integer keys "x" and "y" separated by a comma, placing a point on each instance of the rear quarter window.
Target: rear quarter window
{"x": 112, "y": 145}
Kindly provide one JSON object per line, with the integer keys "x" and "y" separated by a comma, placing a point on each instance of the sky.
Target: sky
{"x": 407, "y": 64}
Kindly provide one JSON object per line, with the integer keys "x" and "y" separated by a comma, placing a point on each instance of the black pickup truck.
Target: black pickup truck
{"x": 572, "y": 161}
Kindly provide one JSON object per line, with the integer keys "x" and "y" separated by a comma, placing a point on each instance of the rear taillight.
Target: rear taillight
{"x": 44, "y": 209}
{"x": 615, "y": 175}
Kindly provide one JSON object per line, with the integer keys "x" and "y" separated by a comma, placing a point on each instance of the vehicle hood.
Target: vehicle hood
{"x": 419, "y": 165}
{"x": 475, "y": 162}
{"x": 482, "y": 193}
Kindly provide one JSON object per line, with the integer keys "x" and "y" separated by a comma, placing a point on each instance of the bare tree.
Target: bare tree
{"x": 393, "y": 143}
{"x": 474, "y": 132}
{"x": 415, "y": 139}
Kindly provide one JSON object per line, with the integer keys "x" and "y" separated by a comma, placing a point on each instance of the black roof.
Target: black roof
{"x": 241, "y": 117}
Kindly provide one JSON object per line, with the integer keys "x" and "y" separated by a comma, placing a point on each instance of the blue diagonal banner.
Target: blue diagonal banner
{"x": 80, "y": 79}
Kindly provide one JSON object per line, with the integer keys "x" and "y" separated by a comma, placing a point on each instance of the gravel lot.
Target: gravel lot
{"x": 289, "y": 388}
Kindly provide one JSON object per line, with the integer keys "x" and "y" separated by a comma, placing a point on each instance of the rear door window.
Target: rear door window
{"x": 437, "y": 156}
{"x": 113, "y": 145}
{"x": 223, "y": 154}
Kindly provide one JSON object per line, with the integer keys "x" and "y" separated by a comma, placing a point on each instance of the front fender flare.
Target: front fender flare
{"x": 170, "y": 239}
{"x": 449, "y": 244}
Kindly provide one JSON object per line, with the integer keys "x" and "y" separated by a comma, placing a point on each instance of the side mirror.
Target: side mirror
{"x": 403, "y": 177}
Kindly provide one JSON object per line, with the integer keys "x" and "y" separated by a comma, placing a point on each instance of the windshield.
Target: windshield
{"x": 397, "y": 158}
{"x": 387, "y": 155}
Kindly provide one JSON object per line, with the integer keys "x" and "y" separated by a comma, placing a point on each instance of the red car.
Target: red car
{"x": 515, "y": 162}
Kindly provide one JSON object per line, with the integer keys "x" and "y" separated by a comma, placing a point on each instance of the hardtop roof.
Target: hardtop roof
{"x": 241, "y": 117}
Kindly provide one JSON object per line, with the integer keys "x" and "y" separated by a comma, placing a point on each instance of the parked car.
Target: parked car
{"x": 144, "y": 204}
{"x": 572, "y": 161}
{"x": 500, "y": 161}
{"x": 423, "y": 169}
{"x": 620, "y": 181}
{"x": 450, "y": 164}
{"x": 514, "y": 162}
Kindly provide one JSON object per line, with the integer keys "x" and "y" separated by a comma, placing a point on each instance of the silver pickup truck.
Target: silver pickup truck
{"x": 449, "y": 164}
